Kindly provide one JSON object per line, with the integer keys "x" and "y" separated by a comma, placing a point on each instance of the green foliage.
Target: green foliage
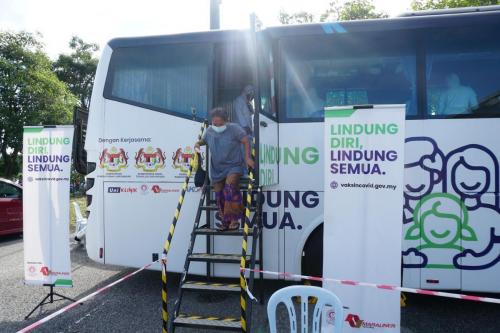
{"x": 443, "y": 4}
{"x": 30, "y": 94}
{"x": 78, "y": 69}
{"x": 350, "y": 10}
{"x": 296, "y": 18}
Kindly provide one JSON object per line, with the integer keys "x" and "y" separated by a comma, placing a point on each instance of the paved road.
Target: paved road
{"x": 134, "y": 305}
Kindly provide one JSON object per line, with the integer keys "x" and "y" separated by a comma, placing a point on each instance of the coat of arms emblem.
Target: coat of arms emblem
{"x": 113, "y": 160}
{"x": 150, "y": 159}
{"x": 181, "y": 159}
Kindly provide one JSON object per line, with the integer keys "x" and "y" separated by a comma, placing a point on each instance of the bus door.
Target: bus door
{"x": 265, "y": 119}
{"x": 267, "y": 148}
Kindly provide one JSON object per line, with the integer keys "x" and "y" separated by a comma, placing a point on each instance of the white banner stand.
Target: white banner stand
{"x": 46, "y": 178}
{"x": 364, "y": 165}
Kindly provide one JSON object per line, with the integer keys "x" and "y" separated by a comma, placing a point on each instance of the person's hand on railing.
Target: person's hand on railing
{"x": 250, "y": 163}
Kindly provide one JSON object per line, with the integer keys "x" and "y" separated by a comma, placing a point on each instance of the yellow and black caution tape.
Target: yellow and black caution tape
{"x": 213, "y": 318}
{"x": 166, "y": 247}
{"x": 201, "y": 283}
{"x": 243, "y": 284}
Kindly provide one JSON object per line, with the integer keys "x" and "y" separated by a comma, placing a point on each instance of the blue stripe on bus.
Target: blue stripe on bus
{"x": 331, "y": 28}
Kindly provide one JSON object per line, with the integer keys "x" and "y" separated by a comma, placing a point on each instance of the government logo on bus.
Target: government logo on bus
{"x": 113, "y": 160}
{"x": 150, "y": 159}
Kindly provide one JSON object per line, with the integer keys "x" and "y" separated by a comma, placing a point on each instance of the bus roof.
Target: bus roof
{"x": 446, "y": 18}
{"x": 388, "y": 24}
{"x": 191, "y": 37}
{"x": 460, "y": 10}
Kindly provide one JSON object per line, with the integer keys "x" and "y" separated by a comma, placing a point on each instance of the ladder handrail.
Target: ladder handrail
{"x": 244, "y": 244}
{"x": 166, "y": 246}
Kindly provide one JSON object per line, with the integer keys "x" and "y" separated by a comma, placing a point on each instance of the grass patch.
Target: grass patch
{"x": 82, "y": 202}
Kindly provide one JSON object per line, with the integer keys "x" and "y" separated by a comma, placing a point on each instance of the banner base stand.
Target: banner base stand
{"x": 50, "y": 297}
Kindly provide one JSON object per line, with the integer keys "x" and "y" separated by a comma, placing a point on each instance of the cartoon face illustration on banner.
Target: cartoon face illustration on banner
{"x": 150, "y": 160}
{"x": 441, "y": 219}
{"x": 423, "y": 167}
{"x": 452, "y": 219}
{"x": 113, "y": 160}
{"x": 471, "y": 172}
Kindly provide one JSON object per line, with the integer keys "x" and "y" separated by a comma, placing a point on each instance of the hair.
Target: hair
{"x": 219, "y": 112}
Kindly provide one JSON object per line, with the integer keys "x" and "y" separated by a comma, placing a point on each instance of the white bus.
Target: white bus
{"x": 151, "y": 93}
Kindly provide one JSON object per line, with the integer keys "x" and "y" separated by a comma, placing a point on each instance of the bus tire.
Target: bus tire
{"x": 312, "y": 254}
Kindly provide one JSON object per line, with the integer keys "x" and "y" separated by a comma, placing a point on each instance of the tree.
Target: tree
{"x": 296, "y": 18}
{"x": 78, "y": 69}
{"x": 443, "y": 4}
{"x": 350, "y": 10}
{"x": 30, "y": 94}
{"x": 359, "y": 10}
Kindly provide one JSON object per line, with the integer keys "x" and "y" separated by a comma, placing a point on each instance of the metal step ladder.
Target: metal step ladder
{"x": 253, "y": 230}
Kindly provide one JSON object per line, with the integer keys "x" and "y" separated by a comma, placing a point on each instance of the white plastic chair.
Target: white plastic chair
{"x": 81, "y": 223}
{"x": 324, "y": 297}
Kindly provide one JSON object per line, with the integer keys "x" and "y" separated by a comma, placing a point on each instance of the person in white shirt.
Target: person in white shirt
{"x": 457, "y": 99}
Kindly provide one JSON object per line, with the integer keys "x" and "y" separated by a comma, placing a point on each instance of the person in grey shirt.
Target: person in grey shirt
{"x": 243, "y": 109}
{"x": 227, "y": 164}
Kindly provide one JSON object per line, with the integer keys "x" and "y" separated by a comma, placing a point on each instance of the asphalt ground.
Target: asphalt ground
{"x": 135, "y": 305}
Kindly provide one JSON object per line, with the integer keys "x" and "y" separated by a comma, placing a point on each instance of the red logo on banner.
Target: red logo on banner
{"x": 44, "y": 270}
{"x": 354, "y": 320}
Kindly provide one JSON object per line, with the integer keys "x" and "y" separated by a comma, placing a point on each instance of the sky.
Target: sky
{"x": 99, "y": 21}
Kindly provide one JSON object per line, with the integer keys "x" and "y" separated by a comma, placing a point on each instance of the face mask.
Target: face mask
{"x": 219, "y": 129}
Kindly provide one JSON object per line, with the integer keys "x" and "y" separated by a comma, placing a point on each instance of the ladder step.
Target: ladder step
{"x": 243, "y": 184}
{"x": 210, "y": 286}
{"x": 221, "y": 258}
{"x": 213, "y": 231}
{"x": 252, "y": 209}
{"x": 209, "y": 322}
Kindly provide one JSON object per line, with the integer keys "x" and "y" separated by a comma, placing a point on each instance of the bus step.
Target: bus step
{"x": 216, "y": 232}
{"x": 210, "y": 286}
{"x": 217, "y": 258}
{"x": 252, "y": 209}
{"x": 208, "y": 322}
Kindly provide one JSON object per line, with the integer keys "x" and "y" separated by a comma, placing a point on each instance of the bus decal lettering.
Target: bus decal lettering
{"x": 287, "y": 221}
{"x": 310, "y": 199}
{"x": 310, "y": 155}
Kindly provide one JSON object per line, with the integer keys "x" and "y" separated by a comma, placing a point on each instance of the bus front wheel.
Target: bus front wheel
{"x": 312, "y": 254}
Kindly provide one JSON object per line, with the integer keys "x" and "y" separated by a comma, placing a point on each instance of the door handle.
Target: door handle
{"x": 263, "y": 124}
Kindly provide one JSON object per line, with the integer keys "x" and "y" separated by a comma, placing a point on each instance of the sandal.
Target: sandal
{"x": 234, "y": 225}
{"x": 221, "y": 227}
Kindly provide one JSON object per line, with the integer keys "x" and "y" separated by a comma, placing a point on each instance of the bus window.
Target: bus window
{"x": 171, "y": 78}
{"x": 463, "y": 71}
{"x": 347, "y": 70}
{"x": 265, "y": 61}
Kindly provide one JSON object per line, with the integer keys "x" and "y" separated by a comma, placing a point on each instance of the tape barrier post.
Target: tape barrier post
{"x": 377, "y": 286}
{"x": 243, "y": 284}
{"x": 168, "y": 242}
